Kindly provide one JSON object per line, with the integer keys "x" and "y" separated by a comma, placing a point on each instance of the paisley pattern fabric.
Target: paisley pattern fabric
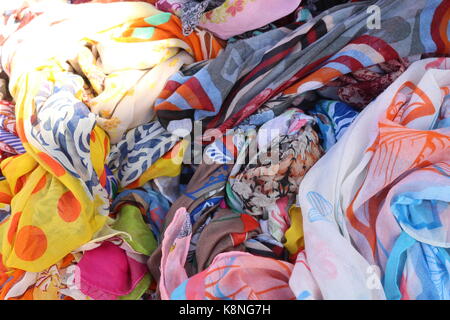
{"x": 265, "y": 180}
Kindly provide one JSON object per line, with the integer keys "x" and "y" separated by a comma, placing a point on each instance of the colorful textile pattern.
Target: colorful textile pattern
{"x": 203, "y": 95}
{"x": 156, "y": 50}
{"x": 140, "y": 148}
{"x": 359, "y": 88}
{"x": 236, "y": 276}
{"x": 231, "y": 18}
{"x": 192, "y": 11}
{"x": 385, "y": 204}
{"x": 101, "y": 282}
{"x": 122, "y": 91}
{"x": 49, "y": 284}
{"x": 153, "y": 206}
{"x": 62, "y": 171}
{"x": 175, "y": 248}
{"x": 232, "y": 275}
{"x": 66, "y": 148}
{"x": 333, "y": 119}
{"x": 10, "y": 143}
{"x": 264, "y": 181}
{"x": 224, "y": 150}
{"x": 227, "y": 231}
{"x": 227, "y": 18}
{"x": 203, "y": 195}
{"x": 168, "y": 166}
{"x": 240, "y": 80}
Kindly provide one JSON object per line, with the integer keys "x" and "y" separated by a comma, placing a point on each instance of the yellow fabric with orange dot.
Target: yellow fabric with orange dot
{"x": 51, "y": 214}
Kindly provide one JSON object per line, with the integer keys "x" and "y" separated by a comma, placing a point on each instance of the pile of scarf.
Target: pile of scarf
{"x": 224, "y": 149}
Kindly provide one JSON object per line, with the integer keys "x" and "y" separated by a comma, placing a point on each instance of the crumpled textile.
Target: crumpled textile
{"x": 227, "y": 18}
{"x": 101, "y": 282}
{"x": 304, "y": 159}
{"x": 66, "y": 150}
{"x": 294, "y": 238}
{"x": 237, "y": 276}
{"x": 333, "y": 119}
{"x": 359, "y": 88}
{"x": 130, "y": 220}
{"x": 251, "y": 72}
{"x": 203, "y": 94}
{"x": 10, "y": 143}
{"x": 49, "y": 284}
{"x": 174, "y": 250}
{"x": 231, "y": 18}
{"x": 168, "y": 166}
{"x": 81, "y": 274}
{"x": 384, "y": 206}
{"x": 232, "y": 275}
{"x": 140, "y": 148}
{"x": 190, "y": 11}
{"x": 280, "y": 165}
{"x": 264, "y": 245}
{"x": 153, "y": 44}
{"x": 63, "y": 168}
{"x": 127, "y": 96}
{"x": 203, "y": 194}
{"x": 227, "y": 231}
{"x": 113, "y": 265}
{"x": 153, "y": 206}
